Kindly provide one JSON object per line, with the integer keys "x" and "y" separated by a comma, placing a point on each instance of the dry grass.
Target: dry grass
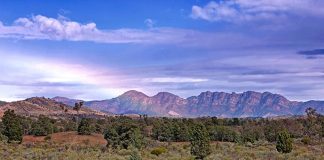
{"x": 69, "y": 145}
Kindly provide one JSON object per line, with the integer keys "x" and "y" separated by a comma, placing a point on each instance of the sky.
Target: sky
{"x": 95, "y": 50}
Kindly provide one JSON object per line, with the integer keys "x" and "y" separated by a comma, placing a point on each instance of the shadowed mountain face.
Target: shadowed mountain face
{"x": 66, "y": 101}
{"x": 247, "y": 104}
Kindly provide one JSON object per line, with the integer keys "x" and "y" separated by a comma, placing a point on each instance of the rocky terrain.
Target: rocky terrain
{"x": 221, "y": 104}
{"x": 44, "y": 106}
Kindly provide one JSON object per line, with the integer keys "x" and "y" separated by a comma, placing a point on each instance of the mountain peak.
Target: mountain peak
{"x": 164, "y": 94}
{"x": 133, "y": 93}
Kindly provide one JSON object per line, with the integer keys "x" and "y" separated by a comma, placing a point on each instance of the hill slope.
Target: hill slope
{"x": 43, "y": 106}
{"x": 2, "y": 103}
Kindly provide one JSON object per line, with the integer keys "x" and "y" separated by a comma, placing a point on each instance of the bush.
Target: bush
{"x": 47, "y": 138}
{"x": 42, "y": 127}
{"x": 85, "y": 127}
{"x": 158, "y": 151}
{"x": 306, "y": 140}
{"x": 284, "y": 142}
{"x": 124, "y": 134}
{"x": 3, "y": 138}
{"x": 135, "y": 156}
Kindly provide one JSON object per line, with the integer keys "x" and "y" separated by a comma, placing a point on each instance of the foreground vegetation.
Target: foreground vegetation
{"x": 174, "y": 151}
{"x": 146, "y": 137}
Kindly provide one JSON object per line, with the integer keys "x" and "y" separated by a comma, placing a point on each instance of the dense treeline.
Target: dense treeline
{"x": 122, "y": 132}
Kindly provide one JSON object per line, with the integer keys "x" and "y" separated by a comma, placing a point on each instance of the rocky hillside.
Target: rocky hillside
{"x": 221, "y": 104}
{"x": 2, "y": 103}
{"x": 43, "y": 106}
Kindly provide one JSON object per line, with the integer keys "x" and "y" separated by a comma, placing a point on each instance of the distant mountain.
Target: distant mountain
{"x": 44, "y": 106}
{"x": 221, "y": 104}
{"x": 66, "y": 101}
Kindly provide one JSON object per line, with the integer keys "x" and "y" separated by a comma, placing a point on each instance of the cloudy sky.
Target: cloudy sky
{"x": 98, "y": 50}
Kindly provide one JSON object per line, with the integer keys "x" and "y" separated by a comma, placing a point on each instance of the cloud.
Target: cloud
{"x": 174, "y": 80}
{"x": 46, "y": 28}
{"x": 248, "y": 10}
{"x": 314, "y": 52}
{"x": 149, "y": 23}
{"x": 214, "y": 11}
{"x": 42, "y": 27}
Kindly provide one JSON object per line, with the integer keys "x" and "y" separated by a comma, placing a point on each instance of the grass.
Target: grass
{"x": 69, "y": 145}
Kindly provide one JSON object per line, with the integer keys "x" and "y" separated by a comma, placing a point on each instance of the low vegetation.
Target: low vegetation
{"x": 146, "y": 137}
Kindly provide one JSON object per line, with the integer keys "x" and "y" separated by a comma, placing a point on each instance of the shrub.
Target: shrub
{"x": 306, "y": 140}
{"x": 3, "y": 138}
{"x": 123, "y": 135}
{"x": 284, "y": 142}
{"x": 85, "y": 127}
{"x": 158, "y": 151}
{"x": 135, "y": 156}
{"x": 42, "y": 127}
{"x": 47, "y": 138}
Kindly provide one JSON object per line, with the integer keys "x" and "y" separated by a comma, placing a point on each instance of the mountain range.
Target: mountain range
{"x": 220, "y": 104}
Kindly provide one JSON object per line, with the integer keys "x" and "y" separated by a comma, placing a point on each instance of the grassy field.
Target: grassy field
{"x": 69, "y": 145}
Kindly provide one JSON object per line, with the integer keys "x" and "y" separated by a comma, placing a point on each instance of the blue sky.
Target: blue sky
{"x": 98, "y": 50}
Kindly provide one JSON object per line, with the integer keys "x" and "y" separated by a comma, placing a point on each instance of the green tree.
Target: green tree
{"x": 162, "y": 131}
{"x": 199, "y": 140}
{"x": 85, "y": 127}
{"x": 123, "y": 135}
{"x": 271, "y": 130}
{"x": 284, "y": 142}
{"x": 77, "y": 106}
{"x": 12, "y": 126}
{"x": 137, "y": 138}
{"x": 42, "y": 127}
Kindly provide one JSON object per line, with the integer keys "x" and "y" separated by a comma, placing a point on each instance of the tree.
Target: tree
{"x": 12, "y": 126}
{"x": 313, "y": 124}
{"x": 85, "y": 127}
{"x": 77, "y": 106}
{"x": 284, "y": 142}
{"x": 162, "y": 131}
{"x": 123, "y": 135}
{"x": 199, "y": 140}
{"x": 42, "y": 127}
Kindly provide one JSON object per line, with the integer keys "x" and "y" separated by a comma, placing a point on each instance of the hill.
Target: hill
{"x": 221, "y": 104}
{"x": 2, "y": 103}
{"x": 44, "y": 106}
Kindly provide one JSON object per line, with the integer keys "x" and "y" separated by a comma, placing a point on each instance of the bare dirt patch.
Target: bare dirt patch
{"x": 70, "y": 138}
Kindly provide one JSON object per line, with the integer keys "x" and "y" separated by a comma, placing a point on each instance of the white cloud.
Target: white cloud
{"x": 246, "y": 10}
{"x": 42, "y": 27}
{"x": 174, "y": 80}
{"x": 149, "y": 23}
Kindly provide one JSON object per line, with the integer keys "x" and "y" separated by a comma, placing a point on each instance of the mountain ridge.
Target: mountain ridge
{"x": 221, "y": 104}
